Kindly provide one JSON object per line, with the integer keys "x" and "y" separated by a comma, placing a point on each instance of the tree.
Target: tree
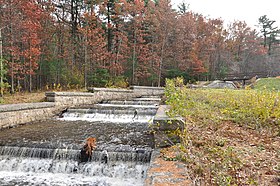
{"x": 269, "y": 32}
{"x": 22, "y": 51}
{"x": 140, "y": 63}
{"x": 183, "y": 7}
{"x": 70, "y": 42}
{"x": 96, "y": 55}
{"x": 30, "y": 46}
{"x": 163, "y": 24}
{"x": 243, "y": 44}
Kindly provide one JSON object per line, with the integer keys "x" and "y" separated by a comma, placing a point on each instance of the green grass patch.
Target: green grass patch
{"x": 268, "y": 84}
{"x": 252, "y": 108}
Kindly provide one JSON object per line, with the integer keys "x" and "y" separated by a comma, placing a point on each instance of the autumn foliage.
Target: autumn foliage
{"x": 47, "y": 42}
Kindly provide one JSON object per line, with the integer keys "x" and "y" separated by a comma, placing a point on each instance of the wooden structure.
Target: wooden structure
{"x": 244, "y": 76}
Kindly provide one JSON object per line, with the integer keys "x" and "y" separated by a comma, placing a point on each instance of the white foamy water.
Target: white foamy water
{"x": 110, "y": 118}
{"x": 24, "y": 166}
{"x": 128, "y": 106}
{"x": 33, "y": 171}
{"x": 60, "y": 179}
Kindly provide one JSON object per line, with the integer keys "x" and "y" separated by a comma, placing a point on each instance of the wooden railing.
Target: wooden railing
{"x": 244, "y": 76}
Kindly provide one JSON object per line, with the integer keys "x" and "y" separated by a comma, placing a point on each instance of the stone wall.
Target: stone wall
{"x": 12, "y": 115}
{"x": 164, "y": 127}
{"x": 85, "y": 98}
{"x": 99, "y": 94}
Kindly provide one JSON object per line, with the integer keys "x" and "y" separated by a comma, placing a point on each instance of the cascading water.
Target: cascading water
{"x": 136, "y": 101}
{"x": 48, "y": 153}
{"x": 32, "y": 164}
{"x": 115, "y": 111}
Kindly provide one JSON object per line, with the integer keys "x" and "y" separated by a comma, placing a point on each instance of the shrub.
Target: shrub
{"x": 117, "y": 82}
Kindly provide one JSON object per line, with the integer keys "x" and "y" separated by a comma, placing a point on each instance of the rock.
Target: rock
{"x": 222, "y": 84}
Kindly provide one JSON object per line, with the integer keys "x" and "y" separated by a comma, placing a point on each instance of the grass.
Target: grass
{"x": 268, "y": 84}
{"x": 27, "y": 97}
{"x": 23, "y": 97}
{"x": 231, "y": 137}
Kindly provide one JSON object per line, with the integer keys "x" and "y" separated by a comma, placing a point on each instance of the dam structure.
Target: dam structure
{"x": 47, "y": 150}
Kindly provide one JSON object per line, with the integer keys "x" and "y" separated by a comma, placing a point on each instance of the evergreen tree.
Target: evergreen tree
{"x": 269, "y": 32}
{"x": 183, "y": 7}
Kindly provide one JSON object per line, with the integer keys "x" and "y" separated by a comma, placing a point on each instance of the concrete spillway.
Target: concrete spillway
{"x": 48, "y": 152}
{"x": 115, "y": 111}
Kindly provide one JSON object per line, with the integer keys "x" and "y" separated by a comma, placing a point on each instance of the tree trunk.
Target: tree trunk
{"x": 109, "y": 30}
{"x": 12, "y": 76}
{"x": 161, "y": 61}
{"x": 117, "y": 55}
{"x": 134, "y": 58}
{"x": 18, "y": 85}
{"x": 86, "y": 62}
{"x": 12, "y": 62}
{"x": 1, "y": 66}
{"x": 30, "y": 77}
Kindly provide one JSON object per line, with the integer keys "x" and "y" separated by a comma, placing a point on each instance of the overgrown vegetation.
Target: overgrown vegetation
{"x": 231, "y": 137}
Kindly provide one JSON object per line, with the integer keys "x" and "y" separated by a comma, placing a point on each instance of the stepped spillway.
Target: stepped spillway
{"x": 48, "y": 152}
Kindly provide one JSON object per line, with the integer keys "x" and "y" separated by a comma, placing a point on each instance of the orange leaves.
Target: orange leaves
{"x": 142, "y": 40}
{"x": 23, "y": 18}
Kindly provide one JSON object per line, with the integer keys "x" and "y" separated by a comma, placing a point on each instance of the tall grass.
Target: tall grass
{"x": 252, "y": 108}
{"x": 212, "y": 143}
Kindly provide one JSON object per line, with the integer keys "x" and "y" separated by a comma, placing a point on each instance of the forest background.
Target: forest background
{"x": 64, "y": 44}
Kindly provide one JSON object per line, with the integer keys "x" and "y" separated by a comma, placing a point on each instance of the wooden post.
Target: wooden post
{"x": 243, "y": 82}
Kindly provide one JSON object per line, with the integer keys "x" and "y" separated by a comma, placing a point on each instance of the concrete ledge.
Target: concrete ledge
{"x": 52, "y": 94}
{"x": 165, "y": 128}
{"x": 92, "y": 89}
{"x": 25, "y": 106}
{"x": 11, "y": 115}
{"x": 13, "y": 118}
{"x": 147, "y": 99}
{"x": 86, "y": 98}
{"x": 100, "y": 94}
{"x": 146, "y": 88}
{"x": 150, "y": 173}
{"x": 150, "y": 91}
{"x": 163, "y": 122}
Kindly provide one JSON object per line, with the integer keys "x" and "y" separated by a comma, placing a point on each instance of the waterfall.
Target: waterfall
{"x": 115, "y": 111}
{"x": 32, "y": 163}
{"x": 49, "y": 152}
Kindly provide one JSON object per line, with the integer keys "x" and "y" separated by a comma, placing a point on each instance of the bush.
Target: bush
{"x": 99, "y": 78}
{"x": 118, "y": 82}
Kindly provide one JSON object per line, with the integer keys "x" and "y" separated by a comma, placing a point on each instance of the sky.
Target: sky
{"x": 230, "y": 10}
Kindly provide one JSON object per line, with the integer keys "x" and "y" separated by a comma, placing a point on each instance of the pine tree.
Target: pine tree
{"x": 269, "y": 31}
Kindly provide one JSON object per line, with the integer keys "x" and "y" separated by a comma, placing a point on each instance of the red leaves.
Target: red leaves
{"x": 23, "y": 18}
{"x": 140, "y": 39}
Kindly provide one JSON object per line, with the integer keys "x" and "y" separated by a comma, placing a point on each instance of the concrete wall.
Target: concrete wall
{"x": 12, "y": 115}
{"x": 164, "y": 128}
{"x": 100, "y": 94}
